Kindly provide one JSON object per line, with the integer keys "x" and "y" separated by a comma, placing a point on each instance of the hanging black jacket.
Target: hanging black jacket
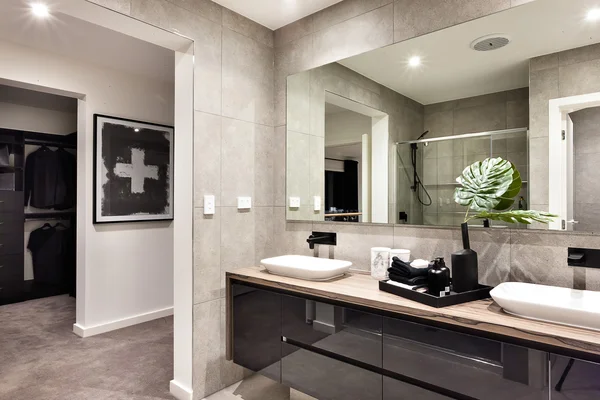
{"x": 50, "y": 179}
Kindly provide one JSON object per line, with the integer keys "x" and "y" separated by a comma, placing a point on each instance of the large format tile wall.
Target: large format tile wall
{"x": 233, "y": 156}
{"x": 356, "y": 26}
{"x": 306, "y": 128}
{"x": 568, "y": 73}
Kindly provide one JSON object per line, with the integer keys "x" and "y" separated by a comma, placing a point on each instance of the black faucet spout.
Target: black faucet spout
{"x": 328, "y": 238}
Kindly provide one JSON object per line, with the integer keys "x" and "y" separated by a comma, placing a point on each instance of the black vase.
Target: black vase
{"x": 465, "y": 275}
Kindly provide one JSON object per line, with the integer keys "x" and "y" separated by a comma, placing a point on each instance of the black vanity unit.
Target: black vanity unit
{"x": 335, "y": 350}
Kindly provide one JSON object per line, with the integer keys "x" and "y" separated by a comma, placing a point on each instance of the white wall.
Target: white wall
{"x": 345, "y": 128}
{"x": 124, "y": 270}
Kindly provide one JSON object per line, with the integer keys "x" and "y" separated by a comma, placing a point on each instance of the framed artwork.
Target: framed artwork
{"x": 133, "y": 170}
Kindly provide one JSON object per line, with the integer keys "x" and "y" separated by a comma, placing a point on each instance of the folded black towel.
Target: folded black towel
{"x": 419, "y": 280}
{"x": 405, "y": 270}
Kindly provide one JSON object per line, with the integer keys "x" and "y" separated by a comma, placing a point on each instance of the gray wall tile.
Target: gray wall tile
{"x": 344, "y": 11}
{"x": 207, "y": 156}
{"x": 264, "y": 160}
{"x": 416, "y": 17}
{"x": 294, "y": 31}
{"x": 345, "y": 40}
{"x": 207, "y": 256}
{"x": 581, "y": 78}
{"x": 263, "y": 233}
{"x": 247, "y": 79}
{"x": 543, "y": 62}
{"x": 122, "y": 6}
{"x": 237, "y": 239}
{"x": 237, "y": 160}
{"x": 248, "y": 28}
{"x": 205, "y": 8}
{"x": 290, "y": 237}
{"x": 207, "y": 357}
{"x": 578, "y": 55}
{"x": 480, "y": 119}
{"x": 279, "y": 151}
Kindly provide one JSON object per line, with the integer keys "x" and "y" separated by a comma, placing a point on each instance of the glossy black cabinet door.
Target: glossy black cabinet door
{"x": 397, "y": 390}
{"x": 574, "y": 379}
{"x": 348, "y": 332}
{"x": 257, "y": 330}
{"x": 463, "y": 364}
{"x": 326, "y": 378}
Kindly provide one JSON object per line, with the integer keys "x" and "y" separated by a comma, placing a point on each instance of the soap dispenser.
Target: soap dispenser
{"x": 438, "y": 278}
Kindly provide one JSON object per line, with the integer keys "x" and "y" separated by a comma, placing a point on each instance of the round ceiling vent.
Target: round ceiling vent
{"x": 490, "y": 42}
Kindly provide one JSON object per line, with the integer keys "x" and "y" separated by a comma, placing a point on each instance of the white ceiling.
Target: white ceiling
{"x": 451, "y": 69}
{"x": 276, "y": 13}
{"x": 344, "y": 152}
{"x": 78, "y": 39}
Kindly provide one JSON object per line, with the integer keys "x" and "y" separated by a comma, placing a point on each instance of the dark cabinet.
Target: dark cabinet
{"x": 461, "y": 365}
{"x": 257, "y": 330}
{"x": 326, "y": 378}
{"x": 573, "y": 379}
{"x": 340, "y": 330}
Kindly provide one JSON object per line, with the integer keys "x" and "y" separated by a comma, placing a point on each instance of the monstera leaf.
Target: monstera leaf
{"x": 491, "y": 184}
{"x": 490, "y": 187}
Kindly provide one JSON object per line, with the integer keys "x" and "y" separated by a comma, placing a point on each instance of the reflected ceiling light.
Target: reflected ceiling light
{"x": 40, "y": 10}
{"x": 414, "y": 61}
{"x": 593, "y": 14}
{"x": 137, "y": 129}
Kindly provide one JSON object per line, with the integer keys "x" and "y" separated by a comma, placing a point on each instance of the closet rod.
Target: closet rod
{"x": 51, "y": 144}
{"x": 37, "y": 138}
{"x": 50, "y": 215}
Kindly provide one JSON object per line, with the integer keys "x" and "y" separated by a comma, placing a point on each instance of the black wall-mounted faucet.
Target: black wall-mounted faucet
{"x": 328, "y": 238}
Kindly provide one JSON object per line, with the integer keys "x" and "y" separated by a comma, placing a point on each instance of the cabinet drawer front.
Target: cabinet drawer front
{"x": 257, "y": 330}
{"x": 351, "y": 333}
{"x": 465, "y": 364}
{"x": 11, "y": 269}
{"x": 11, "y": 222}
{"x": 11, "y": 201}
{"x": 11, "y": 243}
{"x": 326, "y": 378}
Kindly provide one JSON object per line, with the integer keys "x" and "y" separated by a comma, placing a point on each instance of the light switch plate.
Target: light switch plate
{"x": 209, "y": 204}
{"x": 317, "y": 203}
{"x": 294, "y": 202}
{"x": 244, "y": 203}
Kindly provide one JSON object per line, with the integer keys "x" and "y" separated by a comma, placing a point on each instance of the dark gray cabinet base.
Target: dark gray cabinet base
{"x": 331, "y": 351}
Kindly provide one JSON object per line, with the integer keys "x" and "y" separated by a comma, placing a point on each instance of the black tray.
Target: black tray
{"x": 483, "y": 292}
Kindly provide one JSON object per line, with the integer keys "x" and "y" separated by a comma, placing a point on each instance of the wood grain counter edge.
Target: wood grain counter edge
{"x": 482, "y": 318}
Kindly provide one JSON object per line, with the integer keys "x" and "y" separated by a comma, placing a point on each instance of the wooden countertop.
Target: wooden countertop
{"x": 482, "y": 315}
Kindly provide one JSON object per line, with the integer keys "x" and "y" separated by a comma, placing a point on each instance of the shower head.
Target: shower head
{"x": 422, "y": 135}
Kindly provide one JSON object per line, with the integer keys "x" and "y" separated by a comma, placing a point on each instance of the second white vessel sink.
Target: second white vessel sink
{"x": 304, "y": 267}
{"x": 579, "y": 308}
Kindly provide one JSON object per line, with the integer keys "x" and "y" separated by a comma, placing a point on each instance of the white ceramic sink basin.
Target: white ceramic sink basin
{"x": 309, "y": 268}
{"x": 580, "y": 308}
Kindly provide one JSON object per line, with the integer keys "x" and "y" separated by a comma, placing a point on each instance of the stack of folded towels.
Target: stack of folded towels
{"x": 413, "y": 274}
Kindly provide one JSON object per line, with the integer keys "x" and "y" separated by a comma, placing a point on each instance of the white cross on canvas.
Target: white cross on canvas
{"x": 138, "y": 171}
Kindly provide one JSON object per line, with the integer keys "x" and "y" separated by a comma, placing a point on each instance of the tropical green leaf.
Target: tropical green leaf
{"x": 508, "y": 198}
{"x": 518, "y": 216}
{"x": 484, "y": 185}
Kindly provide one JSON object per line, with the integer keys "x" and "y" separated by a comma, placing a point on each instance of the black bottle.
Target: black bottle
{"x": 465, "y": 276}
{"x": 438, "y": 278}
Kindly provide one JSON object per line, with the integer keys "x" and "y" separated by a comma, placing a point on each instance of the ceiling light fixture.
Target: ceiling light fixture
{"x": 593, "y": 14}
{"x": 137, "y": 129}
{"x": 414, "y": 61}
{"x": 40, "y": 10}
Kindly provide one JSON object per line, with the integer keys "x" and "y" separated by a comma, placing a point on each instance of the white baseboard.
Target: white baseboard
{"x": 180, "y": 392}
{"x": 87, "y": 331}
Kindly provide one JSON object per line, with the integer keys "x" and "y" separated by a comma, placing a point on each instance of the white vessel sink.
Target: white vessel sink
{"x": 309, "y": 268}
{"x": 580, "y": 308}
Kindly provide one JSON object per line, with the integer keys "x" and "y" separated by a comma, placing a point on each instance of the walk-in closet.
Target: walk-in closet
{"x": 38, "y": 190}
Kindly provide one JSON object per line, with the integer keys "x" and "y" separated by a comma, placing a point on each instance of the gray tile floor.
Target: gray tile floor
{"x": 41, "y": 358}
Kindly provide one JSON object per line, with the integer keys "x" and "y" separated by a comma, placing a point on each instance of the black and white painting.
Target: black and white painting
{"x": 133, "y": 170}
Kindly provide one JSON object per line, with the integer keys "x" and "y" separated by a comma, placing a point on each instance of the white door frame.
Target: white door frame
{"x": 558, "y": 157}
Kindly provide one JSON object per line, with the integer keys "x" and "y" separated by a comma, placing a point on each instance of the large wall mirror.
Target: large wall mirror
{"x": 381, "y": 137}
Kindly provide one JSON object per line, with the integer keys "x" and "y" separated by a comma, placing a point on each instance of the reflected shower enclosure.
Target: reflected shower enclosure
{"x": 428, "y": 168}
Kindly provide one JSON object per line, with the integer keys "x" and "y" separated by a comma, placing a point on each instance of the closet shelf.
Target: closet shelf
{"x": 50, "y": 215}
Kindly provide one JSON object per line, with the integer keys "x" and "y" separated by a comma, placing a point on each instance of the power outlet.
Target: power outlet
{"x": 294, "y": 202}
{"x": 244, "y": 203}
{"x": 209, "y": 204}
{"x": 317, "y": 203}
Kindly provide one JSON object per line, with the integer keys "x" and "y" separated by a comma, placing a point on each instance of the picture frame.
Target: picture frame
{"x": 133, "y": 170}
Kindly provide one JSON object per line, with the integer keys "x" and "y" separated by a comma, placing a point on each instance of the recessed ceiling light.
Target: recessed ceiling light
{"x": 593, "y": 14}
{"x": 414, "y": 61}
{"x": 40, "y": 10}
{"x": 137, "y": 129}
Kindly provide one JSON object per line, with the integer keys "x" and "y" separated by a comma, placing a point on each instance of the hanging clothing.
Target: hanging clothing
{"x": 53, "y": 254}
{"x": 50, "y": 178}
